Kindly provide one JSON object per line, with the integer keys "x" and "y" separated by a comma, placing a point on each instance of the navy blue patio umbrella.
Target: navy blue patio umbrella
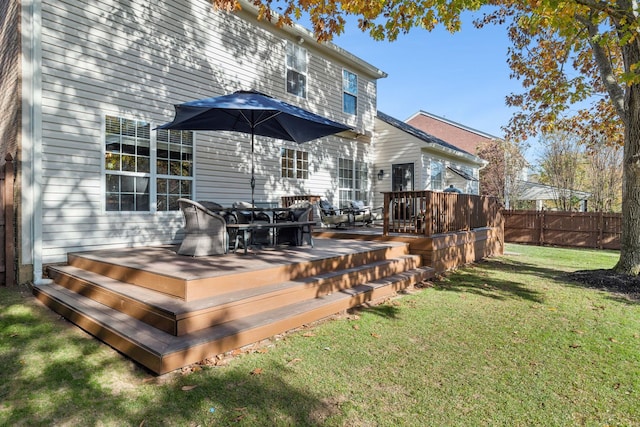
{"x": 253, "y": 113}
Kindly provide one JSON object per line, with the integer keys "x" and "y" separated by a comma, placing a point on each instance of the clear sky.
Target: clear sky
{"x": 463, "y": 77}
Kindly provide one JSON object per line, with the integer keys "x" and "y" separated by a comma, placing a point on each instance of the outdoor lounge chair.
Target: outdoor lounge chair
{"x": 205, "y": 231}
{"x": 362, "y": 213}
{"x": 330, "y": 216}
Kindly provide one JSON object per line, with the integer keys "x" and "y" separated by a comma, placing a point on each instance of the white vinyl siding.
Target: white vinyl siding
{"x": 136, "y": 59}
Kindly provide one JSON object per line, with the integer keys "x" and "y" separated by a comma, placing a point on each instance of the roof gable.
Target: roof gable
{"x": 423, "y": 136}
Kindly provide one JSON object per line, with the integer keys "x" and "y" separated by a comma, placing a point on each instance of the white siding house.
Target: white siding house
{"x": 98, "y": 77}
{"x": 409, "y": 159}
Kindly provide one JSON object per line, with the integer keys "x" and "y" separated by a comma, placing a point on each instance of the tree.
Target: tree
{"x": 604, "y": 170}
{"x": 504, "y": 171}
{"x": 564, "y": 53}
{"x": 562, "y": 167}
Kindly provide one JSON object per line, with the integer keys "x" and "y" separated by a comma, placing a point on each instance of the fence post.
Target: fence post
{"x": 9, "y": 223}
{"x": 541, "y": 222}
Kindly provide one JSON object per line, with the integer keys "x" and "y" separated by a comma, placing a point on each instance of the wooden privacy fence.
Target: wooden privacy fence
{"x": 579, "y": 229}
{"x": 7, "y": 234}
{"x": 430, "y": 212}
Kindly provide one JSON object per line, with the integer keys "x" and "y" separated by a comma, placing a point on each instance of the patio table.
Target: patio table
{"x": 272, "y": 226}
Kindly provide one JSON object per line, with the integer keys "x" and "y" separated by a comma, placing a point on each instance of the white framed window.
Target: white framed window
{"x": 296, "y": 65}
{"x": 174, "y": 168}
{"x": 437, "y": 175}
{"x": 295, "y": 163}
{"x": 349, "y": 92}
{"x": 134, "y": 171}
{"x": 353, "y": 181}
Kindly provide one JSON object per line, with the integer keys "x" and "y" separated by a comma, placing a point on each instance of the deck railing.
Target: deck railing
{"x": 430, "y": 212}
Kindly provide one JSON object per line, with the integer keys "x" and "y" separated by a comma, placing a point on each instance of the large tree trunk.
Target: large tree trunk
{"x": 630, "y": 241}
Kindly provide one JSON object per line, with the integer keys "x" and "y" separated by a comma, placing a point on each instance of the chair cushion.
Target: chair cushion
{"x": 242, "y": 204}
{"x": 212, "y": 206}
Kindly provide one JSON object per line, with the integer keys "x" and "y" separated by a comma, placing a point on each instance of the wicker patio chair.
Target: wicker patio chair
{"x": 205, "y": 231}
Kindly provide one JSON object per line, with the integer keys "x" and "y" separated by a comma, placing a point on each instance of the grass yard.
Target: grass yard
{"x": 505, "y": 342}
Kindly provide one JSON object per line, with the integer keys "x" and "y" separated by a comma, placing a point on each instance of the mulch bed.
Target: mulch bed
{"x": 608, "y": 280}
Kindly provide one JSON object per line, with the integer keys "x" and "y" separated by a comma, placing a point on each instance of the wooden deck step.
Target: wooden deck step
{"x": 162, "y": 352}
{"x": 213, "y": 276}
{"x": 178, "y": 317}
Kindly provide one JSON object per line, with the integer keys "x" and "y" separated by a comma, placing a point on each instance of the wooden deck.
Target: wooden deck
{"x": 166, "y": 311}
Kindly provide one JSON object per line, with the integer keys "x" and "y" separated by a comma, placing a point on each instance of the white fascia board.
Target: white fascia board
{"x": 470, "y": 158}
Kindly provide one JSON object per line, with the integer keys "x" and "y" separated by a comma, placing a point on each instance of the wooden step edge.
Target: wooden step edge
{"x": 287, "y": 318}
{"x": 193, "y": 289}
{"x": 142, "y": 343}
{"x": 177, "y": 317}
{"x": 118, "y": 296}
{"x": 162, "y": 353}
{"x": 239, "y": 306}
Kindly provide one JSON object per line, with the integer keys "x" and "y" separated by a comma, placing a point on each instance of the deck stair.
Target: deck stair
{"x": 166, "y": 311}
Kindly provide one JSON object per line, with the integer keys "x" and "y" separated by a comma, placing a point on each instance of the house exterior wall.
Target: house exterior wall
{"x": 392, "y": 146}
{"x": 454, "y": 135}
{"x": 135, "y": 60}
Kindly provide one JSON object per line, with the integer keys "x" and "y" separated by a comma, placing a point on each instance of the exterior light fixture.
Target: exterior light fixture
{"x": 380, "y": 174}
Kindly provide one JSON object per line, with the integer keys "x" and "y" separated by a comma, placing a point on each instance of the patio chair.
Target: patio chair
{"x": 299, "y": 212}
{"x": 256, "y": 237}
{"x": 361, "y": 213}
{"x": 228, "y": 216}
{"x": 330, "y": 216}
{"x": 205, "y": 231}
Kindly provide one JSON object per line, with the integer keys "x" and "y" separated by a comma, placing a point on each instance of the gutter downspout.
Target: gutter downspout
{"x": 32, "y": 136}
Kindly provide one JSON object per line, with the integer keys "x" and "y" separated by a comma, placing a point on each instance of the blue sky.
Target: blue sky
{"x": 463, "y": 77}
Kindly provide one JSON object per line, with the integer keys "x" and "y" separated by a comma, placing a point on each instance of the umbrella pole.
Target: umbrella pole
{"x": 253, "y": 177}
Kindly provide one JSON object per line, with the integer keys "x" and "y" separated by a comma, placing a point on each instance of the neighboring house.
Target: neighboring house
{"x": 542, "y": 195}
{"x": 454, "y": 133}
{"x": 407, "y": 158}
{"x": 500, "y": 178}
{"x": 85, "y": 83}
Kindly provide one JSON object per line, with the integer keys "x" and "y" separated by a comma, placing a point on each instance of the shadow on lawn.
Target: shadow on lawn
{"x": 476, "y": 279}
{"x": 54, "y": 374}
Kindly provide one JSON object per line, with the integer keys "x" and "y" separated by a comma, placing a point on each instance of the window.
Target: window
{"x": 437, "y": 175}
{"x": 296, "y": 70}
{"x": 174, "y": 168}
{"x": 349, "y": 92}
{"x": 295, "y": 164}
{"x": 127, "y": 164}
{"x": 353, "y": 181}
{"x": 128, "y": 159}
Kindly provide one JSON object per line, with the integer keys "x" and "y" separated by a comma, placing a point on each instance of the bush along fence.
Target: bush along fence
{"x": 578, "y": 229}
{"x": 427, "y": 213}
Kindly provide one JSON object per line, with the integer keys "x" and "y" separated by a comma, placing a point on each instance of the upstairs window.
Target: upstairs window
{"x": 297, "y": 63}
{"x": 349, "y": 92}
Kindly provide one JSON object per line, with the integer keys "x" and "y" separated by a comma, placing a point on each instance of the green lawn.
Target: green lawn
{"x": 504, "y": 342}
